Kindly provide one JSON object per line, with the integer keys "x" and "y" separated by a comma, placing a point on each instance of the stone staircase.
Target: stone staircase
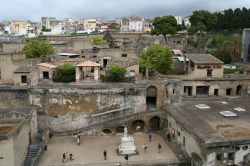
{"x": 31, "y": 154}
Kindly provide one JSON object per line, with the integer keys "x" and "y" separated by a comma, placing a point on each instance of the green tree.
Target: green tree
{"x": 64, "y": 73}
{"x": 116, "y": 73}
{"x": 109, "y": 39}
{"x": 165, "y": 25}
{"x": 98, "y": 40}
{"x": 203, "y": 20}
{"x": 37, "y": 49}
{"x": 157, "y": 58}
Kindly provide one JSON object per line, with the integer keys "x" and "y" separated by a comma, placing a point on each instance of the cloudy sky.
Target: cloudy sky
{"x": 108, "y": 9}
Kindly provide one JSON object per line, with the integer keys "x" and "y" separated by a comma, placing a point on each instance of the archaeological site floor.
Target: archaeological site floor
{"x": 90, "y": 151}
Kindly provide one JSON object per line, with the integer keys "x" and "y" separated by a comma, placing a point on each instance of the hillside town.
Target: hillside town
{"x": 169, "y": 90}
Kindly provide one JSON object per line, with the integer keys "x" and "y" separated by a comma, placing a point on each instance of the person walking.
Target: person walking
{"x": 159, "y": 148}
{"x": 105, "y": 154}
{"x": 64, "y": 157}
{"x": 149, "y": 137}
{"x": 145, "y": 147}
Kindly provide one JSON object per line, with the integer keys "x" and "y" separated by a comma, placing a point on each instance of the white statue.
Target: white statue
{"x": 127, "y": 145}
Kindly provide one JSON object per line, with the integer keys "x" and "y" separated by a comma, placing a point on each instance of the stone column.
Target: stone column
{"x": 96, "y": 73}
{"x": 77, "y": 74}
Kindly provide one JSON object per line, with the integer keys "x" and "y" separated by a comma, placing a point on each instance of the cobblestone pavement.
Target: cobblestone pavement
{"x": 90, "y": 151}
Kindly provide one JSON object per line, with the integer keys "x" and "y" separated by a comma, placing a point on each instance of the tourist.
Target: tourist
{"x": 105, "y": 154}
{"x": 145, "y": 147}
{"x": 119, "y": 164}
{"x": 169, "y": 137}
{"x": 159, "y": 148}
{"x": 71, "y": 156}
{"x": 64, "y": 157}
{"x": 149, "y": 137}
{"x": 78, "y": 141}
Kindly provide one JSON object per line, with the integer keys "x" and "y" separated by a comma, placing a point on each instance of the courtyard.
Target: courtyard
{"x": 90, "y": 151}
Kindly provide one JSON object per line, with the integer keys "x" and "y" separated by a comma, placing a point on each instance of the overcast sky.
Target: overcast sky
{"x": 108, "y": 9}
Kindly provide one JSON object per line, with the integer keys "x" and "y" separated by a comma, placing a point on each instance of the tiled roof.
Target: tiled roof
{"x": 203, "y": 59}
{"x": 177, "y": 52}
{"x": 48, "y": 65}
{"x": 25, "y": 69}
{"x": 88, "y": 64}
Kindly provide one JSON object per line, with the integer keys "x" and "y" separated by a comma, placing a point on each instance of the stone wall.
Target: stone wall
{"x": 9, "y": 62}
{"x": 13, "y": 98}
{"x": 20, "y": 144}
{"x": 69, "y": 108}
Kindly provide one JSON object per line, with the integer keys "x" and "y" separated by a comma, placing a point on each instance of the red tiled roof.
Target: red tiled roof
{"x": 88, "y": 64}
{"x": 48, "y": 65}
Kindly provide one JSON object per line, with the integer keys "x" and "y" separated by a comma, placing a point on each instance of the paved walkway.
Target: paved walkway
{"x": 90, "y": 151}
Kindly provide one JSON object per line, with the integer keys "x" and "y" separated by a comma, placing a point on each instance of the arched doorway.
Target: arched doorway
{"x": 151, "y": 96}
{"x": 138, "y": 126}
{"x": 155, "y": 122}
{"x": 119, "y": 130}
{"x": 238, "y": 90}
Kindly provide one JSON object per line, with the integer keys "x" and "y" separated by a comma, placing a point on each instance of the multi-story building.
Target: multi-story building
{"x": 146, "y": 26}
{"x": 134, "y": 24}
{"x": 46, "y": 22}
{"x": 186, "y": 21}
{"x": 89, "y": 24}
{"x": 19, "y": 27}
{"x": 178, "y": 19}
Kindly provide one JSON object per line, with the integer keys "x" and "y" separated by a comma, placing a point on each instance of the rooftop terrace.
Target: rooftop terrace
{"x": 220, "y": 123}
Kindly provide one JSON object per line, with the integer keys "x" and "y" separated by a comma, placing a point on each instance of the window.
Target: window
{"x": 0, "y": 74}
{"x": 173, "y": 91}
{"x": 216, "y": 92}
{"x": 231, "y": 156}
{"x": 209, "y": 72}
{"x": 219, "y": 157}
{"x": 184, "y": 141}
{"x": 23, "y": 79}
{"x": 178, "y": 134}
{"x": 228, "y": 92}
{"x": 124, "y": 55}
{"x": 45, "y": 75}
{"x": 94, "y": 56}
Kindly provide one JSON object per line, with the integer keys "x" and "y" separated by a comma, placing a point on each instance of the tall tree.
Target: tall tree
{"x": 109, "y": 39}
{"x": 37, "y": 49}
{"x": 157, "y": 58}
{"x": 165, "y": 25}
{"x": 203, "y": 19}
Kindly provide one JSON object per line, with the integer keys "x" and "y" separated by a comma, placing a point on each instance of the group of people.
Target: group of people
{"x": 145, "y": 147}
{"x": 67, "y": 156}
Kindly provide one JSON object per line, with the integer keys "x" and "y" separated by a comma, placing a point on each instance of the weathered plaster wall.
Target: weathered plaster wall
{"x": 13, "y": 98}
{"x": 20, "y": 144}
{"x": 69, "y": 109}
{"x": 6, "y": 151}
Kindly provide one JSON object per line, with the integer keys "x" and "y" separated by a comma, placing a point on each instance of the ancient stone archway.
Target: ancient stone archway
{"x": 138, "y": 126}
{"x": 151, "y": 96}
{"x": 154, "y": 123}
{"x": 238, "y": 90}
{"x": 119, "y": 130}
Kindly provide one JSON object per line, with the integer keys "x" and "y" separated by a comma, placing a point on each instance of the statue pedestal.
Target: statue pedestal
{"x": 127, "y": 145}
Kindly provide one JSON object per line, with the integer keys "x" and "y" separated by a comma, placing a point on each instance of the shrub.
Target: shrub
{"x": 64, "y": 73}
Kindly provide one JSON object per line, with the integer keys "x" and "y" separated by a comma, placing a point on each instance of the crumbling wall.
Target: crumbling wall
{"x": 69, "y": 109}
